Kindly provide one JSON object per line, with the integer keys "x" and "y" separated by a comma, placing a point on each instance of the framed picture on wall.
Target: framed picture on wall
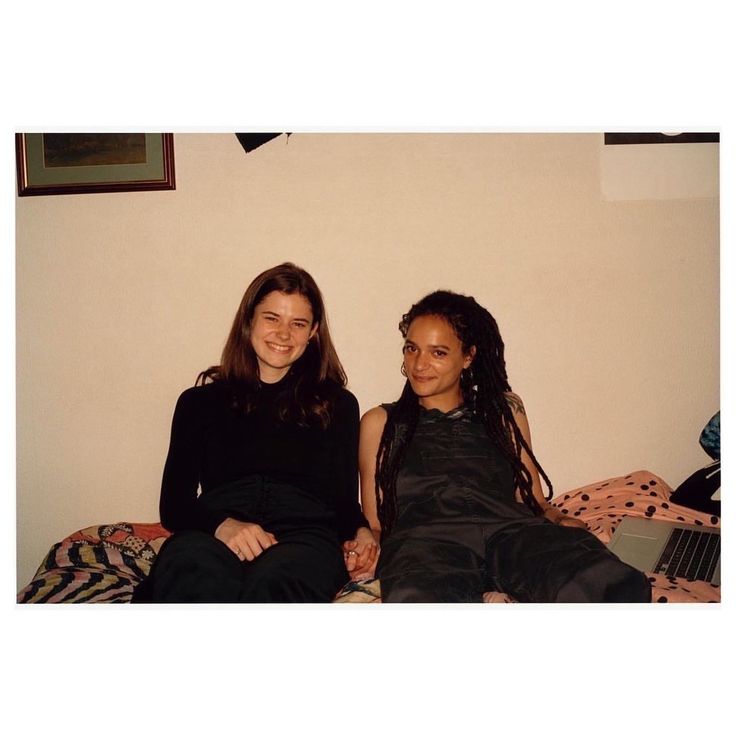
{"x": 78, "y": 163}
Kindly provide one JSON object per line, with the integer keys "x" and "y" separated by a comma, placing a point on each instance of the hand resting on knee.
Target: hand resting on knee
{"x": 245, "y": 539}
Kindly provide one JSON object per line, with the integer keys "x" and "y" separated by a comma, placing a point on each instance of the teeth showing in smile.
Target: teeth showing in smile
{"x": 278, "y": 348}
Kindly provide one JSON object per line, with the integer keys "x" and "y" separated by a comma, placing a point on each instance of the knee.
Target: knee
{"x": 633, "y": 586}
{"x": 186, "y": 547}
{"x": 194, "y": 567}
{"x": 609, "y": 581}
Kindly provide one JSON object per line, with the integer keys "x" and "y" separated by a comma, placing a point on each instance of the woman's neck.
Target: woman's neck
{"x": 443, "y": 403}
{"x": 272, "y": 376}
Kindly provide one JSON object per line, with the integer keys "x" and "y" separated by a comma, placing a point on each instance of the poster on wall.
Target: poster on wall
{"x": 620, "y": 139}
{"x": 79, "y": 163}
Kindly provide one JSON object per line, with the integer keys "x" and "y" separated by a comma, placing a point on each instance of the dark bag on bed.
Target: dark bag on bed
{"x": 695, "y": 492}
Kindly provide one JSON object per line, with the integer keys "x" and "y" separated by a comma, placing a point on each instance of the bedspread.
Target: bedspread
{"x": 102, "y": 564}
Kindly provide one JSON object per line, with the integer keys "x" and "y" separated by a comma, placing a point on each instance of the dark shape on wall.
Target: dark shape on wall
{"x": 612, "y": 139}
{"x": 251, "y": 141}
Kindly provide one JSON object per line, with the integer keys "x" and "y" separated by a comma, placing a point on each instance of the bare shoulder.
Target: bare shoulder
{"x": 371, "y": 431}
{"x": 374, "y": 420}
{"x": 515, "y": 402}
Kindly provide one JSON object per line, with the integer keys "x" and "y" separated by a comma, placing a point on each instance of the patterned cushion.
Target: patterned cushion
{"x": 100, "y": 564}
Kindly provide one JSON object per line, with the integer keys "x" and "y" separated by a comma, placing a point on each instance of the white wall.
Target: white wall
{"x": 608, "y": 305}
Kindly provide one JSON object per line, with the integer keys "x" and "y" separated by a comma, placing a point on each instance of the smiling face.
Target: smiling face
{"x": 434, "y": 360}
{"x": 280, "y": 330}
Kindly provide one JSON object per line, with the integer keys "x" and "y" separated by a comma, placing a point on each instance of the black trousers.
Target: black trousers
{"x": 532, "y": 560}
{"x": 305, "y": 566}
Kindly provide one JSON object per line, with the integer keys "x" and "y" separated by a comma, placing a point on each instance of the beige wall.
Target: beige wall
{"x": 608, "y": 304}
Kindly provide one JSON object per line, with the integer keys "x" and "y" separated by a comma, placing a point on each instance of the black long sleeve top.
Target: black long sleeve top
{"x": 213, "y": 443}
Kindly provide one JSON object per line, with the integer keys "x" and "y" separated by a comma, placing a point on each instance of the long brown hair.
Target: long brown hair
{"x": 313, "y": 379}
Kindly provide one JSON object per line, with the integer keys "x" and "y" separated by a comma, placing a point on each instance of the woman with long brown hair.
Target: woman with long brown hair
{"x": 260, "y": 482}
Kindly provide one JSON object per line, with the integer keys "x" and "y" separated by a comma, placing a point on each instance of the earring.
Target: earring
{"x": 467, "y": 378}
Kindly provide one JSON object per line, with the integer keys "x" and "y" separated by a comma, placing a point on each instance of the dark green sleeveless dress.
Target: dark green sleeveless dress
{"x": 460, "y": 532}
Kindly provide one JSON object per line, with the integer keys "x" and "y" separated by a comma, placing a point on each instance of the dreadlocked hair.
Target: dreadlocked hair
{"x": 483, "y": 385}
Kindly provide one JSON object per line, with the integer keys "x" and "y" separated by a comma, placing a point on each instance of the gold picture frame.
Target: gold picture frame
{"x": 80, "y": 163}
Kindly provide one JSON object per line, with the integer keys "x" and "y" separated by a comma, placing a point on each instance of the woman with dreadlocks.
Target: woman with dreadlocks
{"x": 451, "y": 486}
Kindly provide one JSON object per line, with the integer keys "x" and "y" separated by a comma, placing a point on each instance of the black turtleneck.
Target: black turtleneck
{"x": 213, "y": 443}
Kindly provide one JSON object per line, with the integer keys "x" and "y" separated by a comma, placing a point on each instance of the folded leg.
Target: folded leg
{"x": 543, "y": 562}
{"x": 304, "y": 567}
{"x": 416, "y": 570}
{"x": 192, "y": 567}
{"x": 195, "y": 567}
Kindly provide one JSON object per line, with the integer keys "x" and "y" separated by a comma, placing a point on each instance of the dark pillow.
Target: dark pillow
{"x": 695, "y": 492}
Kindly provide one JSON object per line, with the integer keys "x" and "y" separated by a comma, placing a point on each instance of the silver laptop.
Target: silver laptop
{"x": 669, "y": 548}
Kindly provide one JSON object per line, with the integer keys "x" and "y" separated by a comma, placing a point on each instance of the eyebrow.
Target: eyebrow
{"x": 433, "y": 347}
{"x": 294, "y": 319}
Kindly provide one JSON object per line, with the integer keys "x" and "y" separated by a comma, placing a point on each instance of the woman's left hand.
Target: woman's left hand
{"x": 361, "y": 554}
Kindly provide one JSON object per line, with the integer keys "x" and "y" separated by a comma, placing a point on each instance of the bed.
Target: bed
{"x": 103, "y": 563}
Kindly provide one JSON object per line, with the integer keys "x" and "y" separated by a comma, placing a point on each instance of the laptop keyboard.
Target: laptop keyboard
{"x": 691, "y": 554}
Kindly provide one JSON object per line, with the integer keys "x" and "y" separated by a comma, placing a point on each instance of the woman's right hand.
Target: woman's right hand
{"x": 245, "y": 539}
{"x": 361, "y": 554}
